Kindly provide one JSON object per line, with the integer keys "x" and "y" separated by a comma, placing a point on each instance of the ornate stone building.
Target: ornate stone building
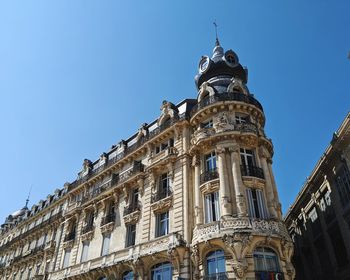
{"x": 189, "y": 196}
{"x": 319, "y": 219}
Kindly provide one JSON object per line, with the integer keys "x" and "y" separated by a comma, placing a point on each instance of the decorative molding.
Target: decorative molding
{"x": 163, "y": 204}
{"x": 132, "y": 218}
{"x": 107, "y": 228}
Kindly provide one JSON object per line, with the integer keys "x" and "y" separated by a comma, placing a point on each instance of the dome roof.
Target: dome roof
{"x": 225, "y": 64}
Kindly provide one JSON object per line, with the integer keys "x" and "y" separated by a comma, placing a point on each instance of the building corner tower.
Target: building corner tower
{"x": 238, "y": 229}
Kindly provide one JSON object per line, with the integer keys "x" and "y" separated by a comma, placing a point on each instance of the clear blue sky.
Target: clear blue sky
{"x": 78, "y": 76}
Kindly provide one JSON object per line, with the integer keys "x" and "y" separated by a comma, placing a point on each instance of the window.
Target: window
{"x": 162, "y": 271}
{"x": 241, "y": 118}
{"x": 130, "y": 235}
{"x": 165, "y": 145}
{"x": 129, "y": 275}
{"x": 207, "y": 124}
{"x": 256, "y": 203}
{"x": 210, "y": 162}
{"x": 90, "y": 218}
{"x": 338, "y": 245}
{"x": 164, "y": 183}
{"x": 134, "y": 196}
{"x": 162, "y": 224}
{"x": 85, "y": 251}
{"x": 66, "y": 258}
{"x": 105, "y": 244}
{"x": 265, "y": 260}
{"x": 343, "y": 185}
{"x": 313, "y": 215}
{"x": 216, "y": 265}
{"x": 212, "y": 211}
{"x": 29, "y": 273}
{"x": 247, "y": 157}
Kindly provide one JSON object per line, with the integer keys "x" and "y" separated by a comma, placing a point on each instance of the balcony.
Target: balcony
{"x": 217, "y": 276}
{"x": 69, "y": 237}
{"x": 133, "y": 207}
{"x": 110, "y": 218}
{"x": 253, "y": 171}
{"x": 232, "y": 96}
{"x": 88, "y": 228}
{"x": 161, "y": 195}
{"x": 209, "y": 175}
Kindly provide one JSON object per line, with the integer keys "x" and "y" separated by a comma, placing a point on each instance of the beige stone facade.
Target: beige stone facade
{"x": 189, "y": 196}
{"x": 319, "y": 219}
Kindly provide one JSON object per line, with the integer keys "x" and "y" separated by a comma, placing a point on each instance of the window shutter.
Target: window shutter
{"x": 217, "y": 208}
{"x": 261, "y": 203}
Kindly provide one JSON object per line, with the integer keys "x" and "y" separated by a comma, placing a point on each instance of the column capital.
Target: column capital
{"x": 220, "y": 149}
{"x": 234, "y": 148}
{"x": 195, "y": 160}
{"x": 264, "y": 153}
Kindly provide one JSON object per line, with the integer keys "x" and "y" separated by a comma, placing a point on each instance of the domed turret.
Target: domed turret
{"x": 220, "y": 69}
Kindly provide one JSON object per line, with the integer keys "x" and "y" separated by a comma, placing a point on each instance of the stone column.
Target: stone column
{"x": 263, "y": 153}
{"x": 225, "y": 201}
{"x": 238, "y": 183}
{"x": 277, "y": 200}
{"x": 197, "y": 193}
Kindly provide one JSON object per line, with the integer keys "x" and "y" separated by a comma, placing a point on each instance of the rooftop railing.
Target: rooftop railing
{"x": 227, "y": 96}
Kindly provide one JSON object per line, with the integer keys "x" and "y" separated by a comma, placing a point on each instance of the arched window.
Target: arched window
{"x": 215, "y": 263}
{"x": 266, "y": 264}
{"x": 162, "y": 271}
{"x": 128, "y": 275}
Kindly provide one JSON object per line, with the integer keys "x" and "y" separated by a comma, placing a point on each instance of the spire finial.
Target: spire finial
{"x": 216, "y": 33}
{"x": 27, "y": 200}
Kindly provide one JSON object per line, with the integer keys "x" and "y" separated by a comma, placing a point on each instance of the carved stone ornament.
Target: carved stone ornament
{"x": 263, "y": 152}
{"x": 240, "y": 267}
{"x": 204, "y": 91}
{"x": 87, "y": 236}
{"x": 132, "y": 218}
{"x": 68, "y": 244}
{"x": 200, "y": 134}
{"x": 237, "y": 85}
{"x": 221, "y": 123}
{"x": 196, "y": 160}
{"x": 142, "y": 132}
{"x": 210, "y": 187}
{"x": 107, "y": 228}
{"x": 169, "y": 110}
{"x": 163, "y": 204}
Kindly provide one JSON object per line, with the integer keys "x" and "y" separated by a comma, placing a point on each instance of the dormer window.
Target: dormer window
{"x": 163, "y": 146}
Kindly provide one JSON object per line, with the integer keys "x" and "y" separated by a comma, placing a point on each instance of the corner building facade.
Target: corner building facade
{"x": 189, "y": 196}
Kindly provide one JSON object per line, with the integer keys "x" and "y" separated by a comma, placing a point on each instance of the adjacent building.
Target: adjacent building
{"x": 319, "y": 219}
{"x": 190, "y": 195}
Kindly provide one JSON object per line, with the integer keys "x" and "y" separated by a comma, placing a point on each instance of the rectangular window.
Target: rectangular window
{"x": 210, "y": 162}
{"x": 130, "y": 235}
{"x": 29, "y": 273}
{"x": 66, "y": 258}
{"x": 164, "y": 184}
{"x": 105, "y": 244}
{"x": 247, "y": 157}
{"x": 162, "y": 224}
{"x": 256, "y": 203}
{"x": 212, "y": 210}
{"x": 135, "y": 196}
{"x": 163, "y": 146}
{"x": 343, "y": 185}
{"x": 85, "y": 251}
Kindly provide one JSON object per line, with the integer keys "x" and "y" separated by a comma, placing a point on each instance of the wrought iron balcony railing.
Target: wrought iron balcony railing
{"x": 87, "y": 228}
{"x": 110, "y": 218}
{"x": 132, "y": 208}
{"x": 254, "y": 171}
{"x": 70, "y": 236}
{"x": 209, "y": 175}
{"x": 161, "y": 195}
{"x": 228, "y": 96}
{"x": 216, "y": 276}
